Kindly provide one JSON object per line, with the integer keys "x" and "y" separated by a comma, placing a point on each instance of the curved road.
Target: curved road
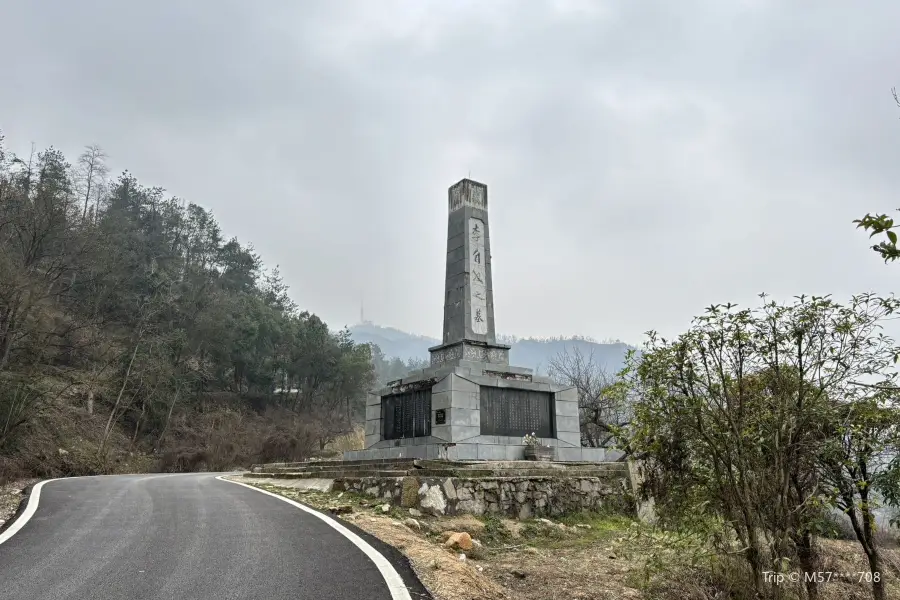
{"x": 183, "y": 537}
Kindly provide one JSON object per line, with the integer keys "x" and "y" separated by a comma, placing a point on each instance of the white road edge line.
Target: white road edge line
{"x": 33, "y": 499}
{"x": 388, "y": 572}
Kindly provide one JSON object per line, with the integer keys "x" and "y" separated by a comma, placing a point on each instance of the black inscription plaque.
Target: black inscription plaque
{"x": 516, "y": 413}
{"x": 406, "y": 415}
{"x": 440, "y": 417}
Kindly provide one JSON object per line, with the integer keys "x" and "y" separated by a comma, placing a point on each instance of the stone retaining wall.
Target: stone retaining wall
{"x": 517, "y": 497}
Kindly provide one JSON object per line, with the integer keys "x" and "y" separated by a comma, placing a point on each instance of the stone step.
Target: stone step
{"x": 435, "y": 473}
{"x": 482, "y": 473}
{"x": 437, "y": 464}
{"x": 354, "y": 468}
{"x": 377, "y": 461}
{"x": 602, "y": 470}
{"x": 332, "y": 464}
{"x": 444, "y": 464}
{"x": 531, "y": 464}
{"x": 328, "y": 474}
{"x": 441, "y": 468}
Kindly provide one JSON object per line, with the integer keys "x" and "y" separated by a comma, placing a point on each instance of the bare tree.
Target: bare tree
{"x": 601, "y": 401}
{"x": 92, "y": 170}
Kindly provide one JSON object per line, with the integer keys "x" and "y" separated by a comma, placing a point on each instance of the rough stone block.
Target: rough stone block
{"x": 371, "y": 440}
{"x": 373, "y": 412}
{"x": 373, "y": 399}
{"x": 373, "y": 427}
{"x": 409, "y": 496}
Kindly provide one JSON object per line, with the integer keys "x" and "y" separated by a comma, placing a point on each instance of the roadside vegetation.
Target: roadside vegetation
{"x": 135, "y": 337}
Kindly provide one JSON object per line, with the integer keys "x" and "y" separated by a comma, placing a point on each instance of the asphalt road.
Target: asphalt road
{"x": 181, "y": 537}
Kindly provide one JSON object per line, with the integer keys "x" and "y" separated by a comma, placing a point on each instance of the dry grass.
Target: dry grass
{"x": 841, "y": 556}
{"x": 355, "y": 440}
{"x": 445, "y": 576}
{"x": 11, "y": 495}
{"x": 577, "y": 573}
{"x": 64, "y": 442}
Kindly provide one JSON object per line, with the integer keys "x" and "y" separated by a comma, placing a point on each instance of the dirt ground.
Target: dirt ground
{"x": 579, "y": 557}
{"x": 510, "y": 559}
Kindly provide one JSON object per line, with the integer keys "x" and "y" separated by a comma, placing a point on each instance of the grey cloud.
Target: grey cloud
{"x": 643, "y": 159}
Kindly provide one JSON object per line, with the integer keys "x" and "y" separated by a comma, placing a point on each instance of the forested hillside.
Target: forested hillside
{"x": 134, "y": 336}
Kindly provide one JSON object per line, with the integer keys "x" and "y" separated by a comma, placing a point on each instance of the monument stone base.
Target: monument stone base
{"x": 455, "y": 430}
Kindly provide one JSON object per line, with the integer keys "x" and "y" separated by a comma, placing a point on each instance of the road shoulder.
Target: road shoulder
{"x": 397, "y": 560}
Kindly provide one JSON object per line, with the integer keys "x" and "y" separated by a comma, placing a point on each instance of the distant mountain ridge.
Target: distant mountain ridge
{"x": 525, "y": 352}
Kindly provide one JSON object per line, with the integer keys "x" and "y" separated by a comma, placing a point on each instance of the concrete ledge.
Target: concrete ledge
{"x": 507, "y": 383}
{"x": 303, "y": 485}
{"x": 478, "y": 447}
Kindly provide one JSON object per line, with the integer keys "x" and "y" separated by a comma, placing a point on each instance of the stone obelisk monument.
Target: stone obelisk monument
{"x": 469, "y": 330}
{"x": 470, "y": 404}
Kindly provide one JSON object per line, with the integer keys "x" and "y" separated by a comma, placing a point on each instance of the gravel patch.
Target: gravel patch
{"x": 11, "y": 495}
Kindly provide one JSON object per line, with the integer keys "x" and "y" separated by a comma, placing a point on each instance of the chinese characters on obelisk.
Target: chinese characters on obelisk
{"x": 477, "y": 289}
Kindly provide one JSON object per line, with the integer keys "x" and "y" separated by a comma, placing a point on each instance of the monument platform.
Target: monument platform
{"x": 479, "y": 411}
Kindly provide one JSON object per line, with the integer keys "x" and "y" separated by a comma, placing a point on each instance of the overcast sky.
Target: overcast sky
{"x": 644, "y": 159}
